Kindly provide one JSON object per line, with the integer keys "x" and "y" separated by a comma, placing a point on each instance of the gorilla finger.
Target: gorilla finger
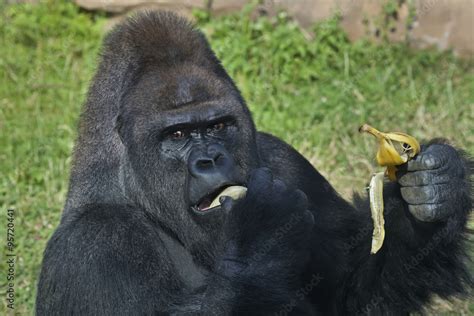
{"x": 259, "y": 179}
{"x": 430, "y": 212}
{"x": 442, "y": 150}
{"x": 425, "y": 161}
{"x": 279, "y": 187}
{"x": 309, "y": 217}
{"x": 226, "y": 203}
{"x": 299, "y": 200}
{"x": 401, "y": 170}
{"x": 425, "y": 177}
{"x": 425, "y": 194}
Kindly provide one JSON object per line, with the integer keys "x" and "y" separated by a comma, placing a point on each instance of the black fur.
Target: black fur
{"x": 131, "y": 242}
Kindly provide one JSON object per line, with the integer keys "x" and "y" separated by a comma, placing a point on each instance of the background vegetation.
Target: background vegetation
{"x": 312, "y": 92}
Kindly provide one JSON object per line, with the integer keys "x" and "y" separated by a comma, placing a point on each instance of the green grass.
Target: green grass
{"x": 312, "y": 93}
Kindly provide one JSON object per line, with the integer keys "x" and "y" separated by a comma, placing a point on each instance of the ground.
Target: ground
{"x": 314, "y": 93}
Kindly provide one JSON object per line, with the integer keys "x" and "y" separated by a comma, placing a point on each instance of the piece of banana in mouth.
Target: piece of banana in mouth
{"x": 235, "y": 192}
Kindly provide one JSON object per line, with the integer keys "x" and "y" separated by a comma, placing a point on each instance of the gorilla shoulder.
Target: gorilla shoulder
{"x": 105, "y": 253}
{"x": 118, "y": 229}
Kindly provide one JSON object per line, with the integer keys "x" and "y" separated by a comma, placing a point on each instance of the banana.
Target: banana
{"x": 394, "y": 149}
{"x": 235, "y": 192}
{"x": 376, "y": 210}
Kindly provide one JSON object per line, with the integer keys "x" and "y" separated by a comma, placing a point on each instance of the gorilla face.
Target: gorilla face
{"x": 187, "y": 136}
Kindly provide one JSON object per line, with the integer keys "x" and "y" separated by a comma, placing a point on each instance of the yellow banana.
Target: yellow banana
{"x": 394, "y": 149}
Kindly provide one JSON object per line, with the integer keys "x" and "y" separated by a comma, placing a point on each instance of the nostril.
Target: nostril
{"x": 205, "y": 163}
{"x": 218, "y": 157}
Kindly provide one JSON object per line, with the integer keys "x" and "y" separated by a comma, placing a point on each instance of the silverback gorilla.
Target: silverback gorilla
{"x": 163, "y": 132}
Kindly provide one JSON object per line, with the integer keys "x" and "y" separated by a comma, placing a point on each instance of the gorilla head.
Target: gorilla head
{"x": 181, "y": 130}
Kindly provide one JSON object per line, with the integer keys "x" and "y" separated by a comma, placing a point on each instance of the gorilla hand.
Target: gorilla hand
{"x": 434, "y": 182}
{"x": 268, "y": 230}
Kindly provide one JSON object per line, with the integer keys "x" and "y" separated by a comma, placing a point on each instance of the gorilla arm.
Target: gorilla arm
{"x": 257, "y": 269}
{"x": 424, "y": 251}
{"x": 426, "y": 217}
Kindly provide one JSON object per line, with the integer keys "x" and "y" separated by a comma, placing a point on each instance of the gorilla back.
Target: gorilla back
{"x": 163, "y": 132}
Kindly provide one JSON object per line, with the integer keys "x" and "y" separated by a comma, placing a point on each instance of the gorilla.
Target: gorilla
{"x": 164, "y": 130}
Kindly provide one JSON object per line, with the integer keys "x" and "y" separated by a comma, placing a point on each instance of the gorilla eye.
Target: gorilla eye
{"x": 178, "y": 134}
{"x": 218, "y": 126}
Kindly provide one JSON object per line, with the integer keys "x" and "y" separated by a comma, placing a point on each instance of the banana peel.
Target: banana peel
{"x": 376, "y": 210}
{"x": 394, "y": 149}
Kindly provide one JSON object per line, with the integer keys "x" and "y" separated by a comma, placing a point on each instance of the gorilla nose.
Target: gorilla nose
{"x": 204, "y": 163}
{"x": 213, "y": 160}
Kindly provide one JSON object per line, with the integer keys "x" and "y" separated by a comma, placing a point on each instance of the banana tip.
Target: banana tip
{"x": 364, "y": 128}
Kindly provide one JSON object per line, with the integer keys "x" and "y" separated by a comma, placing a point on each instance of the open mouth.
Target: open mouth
{"x": 212, "y": 200}
{"x": 205, "y": 204}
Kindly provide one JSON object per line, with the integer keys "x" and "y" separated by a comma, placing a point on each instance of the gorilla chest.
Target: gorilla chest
{"x": 181, "y": 261}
